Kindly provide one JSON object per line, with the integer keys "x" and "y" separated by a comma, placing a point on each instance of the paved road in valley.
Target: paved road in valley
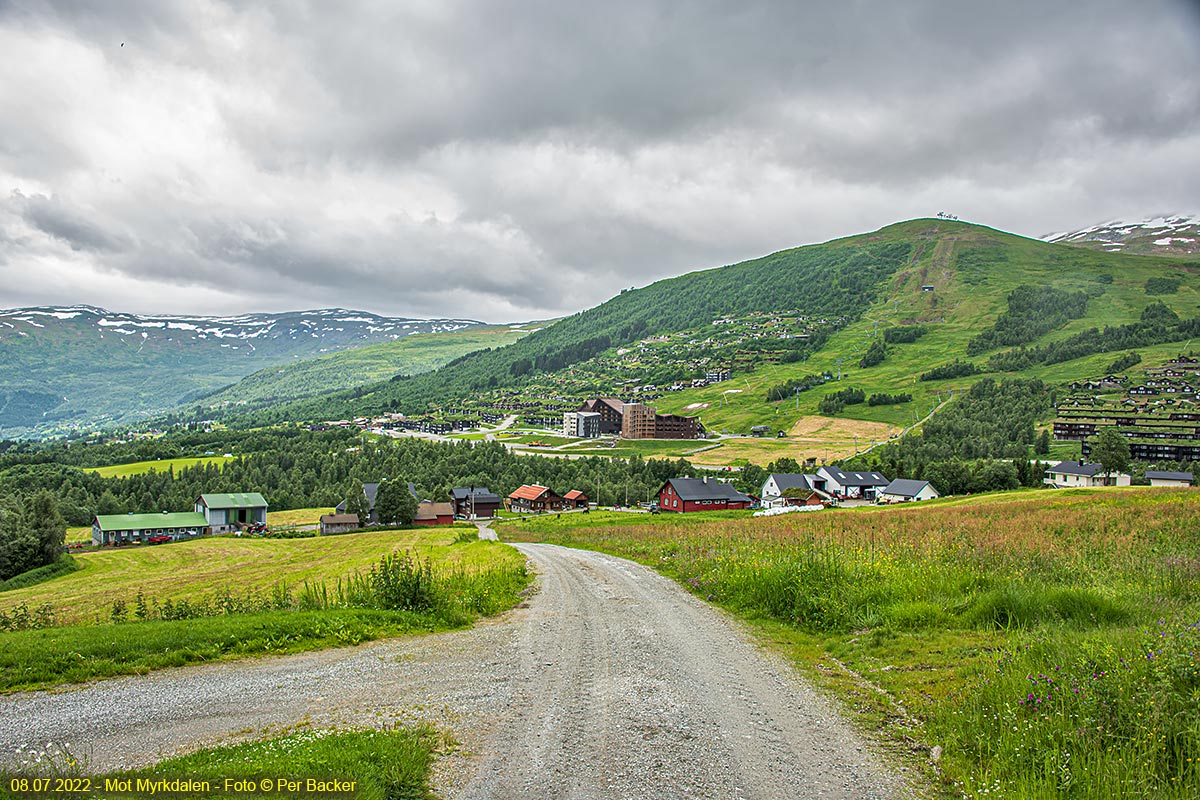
{"x": 609, "y": 682}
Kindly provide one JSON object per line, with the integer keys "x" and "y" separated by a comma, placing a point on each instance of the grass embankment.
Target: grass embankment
{"x": 390, "y": 763}
{"x": 137, "y": 609}
{"x": 1047, "y": 642}
{"x": 297, "y": 516}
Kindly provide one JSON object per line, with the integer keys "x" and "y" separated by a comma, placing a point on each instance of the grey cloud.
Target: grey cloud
{"x": 73, "y": 226}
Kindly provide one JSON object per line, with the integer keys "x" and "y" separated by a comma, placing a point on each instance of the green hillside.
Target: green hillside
{"x": 349, "y": 368}
{"x": 999, "y": 302}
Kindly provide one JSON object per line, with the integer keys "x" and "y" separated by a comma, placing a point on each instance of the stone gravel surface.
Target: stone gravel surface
{"x": 610, "y": 682}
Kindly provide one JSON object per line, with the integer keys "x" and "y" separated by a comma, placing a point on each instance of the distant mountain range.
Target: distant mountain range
{"x": 61, "y": 367}
{"x": 1157, "y": 236}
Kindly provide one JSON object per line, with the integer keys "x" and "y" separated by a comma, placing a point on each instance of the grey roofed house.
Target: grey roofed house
{"x": 482, "y": 494}
{"x": 691, "y": 489}
{"x": 370, "y": 490}
{"x": 1174, "y": 477}
{"x": 1076, "y": 468}
{"x": 906, "y": 487}
{"x": 864, "y": 479}
{"x": 792, "y": 480}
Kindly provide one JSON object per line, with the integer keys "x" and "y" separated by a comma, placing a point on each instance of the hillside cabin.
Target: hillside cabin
{"x": 903, "y": 490}
{"x": 1072, "y": 474}
{"x": 684, "y": 495}
{"x": 232, "y": 511}
{"x": 474, "y": 502}
{"x": 575, "y": 499}
{"x": 369, "y": 491}
{"x": 534, "y": 499}
{"x": 434, "y": 513}
{"x": 338, "y": 523}
{"x": 1161, "y": 478}
{"x": 851, "y": 485}
{"x": 111, "y": 529}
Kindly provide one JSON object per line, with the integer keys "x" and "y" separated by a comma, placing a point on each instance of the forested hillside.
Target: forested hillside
{"x": 840, "y": 279}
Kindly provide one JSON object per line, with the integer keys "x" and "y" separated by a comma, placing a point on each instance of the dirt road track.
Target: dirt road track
{"x": 612, "y": 683}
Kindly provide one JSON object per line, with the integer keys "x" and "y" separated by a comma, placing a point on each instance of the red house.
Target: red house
{"x": 533, "y": 498}
{"x": 700, "y": 494}
{"x": 575, "y": 499}
{"x": 434, "y": 514}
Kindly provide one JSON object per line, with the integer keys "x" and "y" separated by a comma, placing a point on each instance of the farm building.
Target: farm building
{"x": 785, "y": 489}
{"x": 700, "y": 494}
{"x": 475, "y": 501}
{"x": 129, "y": 528}
{"x": 1160, "y": 478}
{"x": 338, "y": 523}
{"x": 530, "y": 498}
{"x": 226, "y": 512}
{"x": 369, "y": 491}
{"x": 864, "y": 485}
{"x": 1074, "y": 473}
{"x": 575, "y": 499}
{"x": 611, "y": 411}
{"x": 434, "y": 513}
{"x": 903, "y": 490}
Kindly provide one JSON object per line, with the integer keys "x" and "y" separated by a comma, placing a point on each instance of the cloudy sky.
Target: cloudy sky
{"x": 515, "y": 160}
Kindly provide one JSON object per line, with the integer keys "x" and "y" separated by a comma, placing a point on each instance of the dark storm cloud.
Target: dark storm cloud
{"x": 529, "y": 159}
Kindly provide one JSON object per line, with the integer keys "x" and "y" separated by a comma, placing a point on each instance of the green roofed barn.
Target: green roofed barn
{"x": 127, "y": 528}
{"x": 227, "y": 512}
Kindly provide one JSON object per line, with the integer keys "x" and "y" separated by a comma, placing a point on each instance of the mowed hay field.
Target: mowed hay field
{"x": 160, "y": 465}
{"x": 200, "y": 569}
{"x": 1047, "y": 643}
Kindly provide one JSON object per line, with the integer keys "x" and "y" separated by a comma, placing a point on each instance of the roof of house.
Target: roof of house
{"x": 904, "y": 487}
{"x": 1169, "y": 476}
{"x": 482, "y": 494}
{"x": 855, "y": 478}
{"x": 791, "y": 480}
{"x": 434, "y": 510}
{"x": 574, "y": 494}
{"x": 141, "y": 522}
{"x": 704, "y": 489}
{"x": 1076, "y": 468}
{"x": 234, "y": 500}
{"x": 339, "y": 519}
{"x": 611, "y": 402}
{"x": 530, "y": 492}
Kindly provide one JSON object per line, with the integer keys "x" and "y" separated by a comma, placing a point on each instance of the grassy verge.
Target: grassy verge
{"x": 392, "y": 763}
{"x": 159, "y": 465}
{"x": 398, "y": 594}
{"x": 64, "y": 566}
{"x": 1045, "y": 643}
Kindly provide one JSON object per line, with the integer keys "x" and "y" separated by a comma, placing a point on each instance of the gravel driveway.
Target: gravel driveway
{"x": 611, "y": 682}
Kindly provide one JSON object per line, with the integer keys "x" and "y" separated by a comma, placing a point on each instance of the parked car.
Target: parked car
{"x": 159, "y": 539}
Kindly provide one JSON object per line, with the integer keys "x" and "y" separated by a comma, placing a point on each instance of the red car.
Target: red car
{"x": 158, "y": 539}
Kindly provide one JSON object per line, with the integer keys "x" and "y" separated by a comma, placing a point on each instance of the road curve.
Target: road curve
{"x": 610, "y": 682}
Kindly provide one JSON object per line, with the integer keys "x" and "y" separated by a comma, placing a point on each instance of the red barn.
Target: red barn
{"x": 700, "y": 494}
{"x": 434, "y": 514}
{"x": 575, "y": 499}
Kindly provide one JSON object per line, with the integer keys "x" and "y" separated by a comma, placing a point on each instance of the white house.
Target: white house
{"x": 1160, "y": 478}
{"x": 779, "y": 482}
{"x": 903, "y": 490}
{"x": 851, "y": 484}
{"x": 1069, "y": 474}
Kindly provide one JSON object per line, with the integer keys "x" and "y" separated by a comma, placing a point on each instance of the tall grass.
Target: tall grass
{"x": 399, "y": 594}
{"x": 1096, "y": 592}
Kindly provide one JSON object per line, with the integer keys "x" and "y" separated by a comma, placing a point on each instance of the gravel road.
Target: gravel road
{"x": 610, "y": 682}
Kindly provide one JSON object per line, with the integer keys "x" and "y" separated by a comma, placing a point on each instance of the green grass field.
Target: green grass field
{"x": 160, "y": 465}
{"x": 200, "y": 568}
{"x": 297, "y": 516}
{"x": 1046, "y": 641}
